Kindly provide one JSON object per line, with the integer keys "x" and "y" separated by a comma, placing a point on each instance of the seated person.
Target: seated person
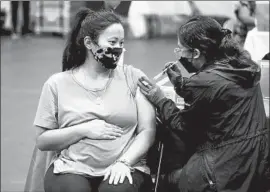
{"x": 92, "y": 115}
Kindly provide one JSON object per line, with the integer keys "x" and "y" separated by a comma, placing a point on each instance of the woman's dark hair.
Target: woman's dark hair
{"x": 214, "y": 42}
{"x": 86, "y": 23}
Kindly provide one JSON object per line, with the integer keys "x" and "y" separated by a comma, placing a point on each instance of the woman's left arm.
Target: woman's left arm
{"x": 144, "y": 139}
{"x": 145, "y": 131}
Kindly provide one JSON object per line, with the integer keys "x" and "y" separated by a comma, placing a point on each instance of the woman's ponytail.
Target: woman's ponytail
{"x": 75, "y": 52}
{"x": 228, "y": 46}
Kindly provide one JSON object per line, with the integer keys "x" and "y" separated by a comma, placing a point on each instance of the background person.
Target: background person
{"x": 26, "y": 18}
{"x": 245, "y": 20}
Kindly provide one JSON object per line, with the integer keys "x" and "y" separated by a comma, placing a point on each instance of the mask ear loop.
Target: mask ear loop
{"x": 125, "y": 68}
{"x": 192, "y": 56}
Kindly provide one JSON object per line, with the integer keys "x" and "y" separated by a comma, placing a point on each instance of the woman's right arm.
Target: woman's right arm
{"x": 51, "y": 138}
{"x": 58, "y": 139}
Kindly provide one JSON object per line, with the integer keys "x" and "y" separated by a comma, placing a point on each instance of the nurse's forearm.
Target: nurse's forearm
{"x": 140, "y": 146}
{"x": 170, "y": 114}
{"x": 178, "y": 86}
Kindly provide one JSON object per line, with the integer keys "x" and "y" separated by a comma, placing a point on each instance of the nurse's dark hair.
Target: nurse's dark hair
{"x": 214, "y": 42}
{"x": 86, "y": 23}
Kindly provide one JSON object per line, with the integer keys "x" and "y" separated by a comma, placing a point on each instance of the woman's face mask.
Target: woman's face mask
{"x": 108, "y": 57}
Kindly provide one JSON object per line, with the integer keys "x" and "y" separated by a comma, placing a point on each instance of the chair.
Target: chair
{"x": 154, "y": 158}
{"x": 169, "y": 152}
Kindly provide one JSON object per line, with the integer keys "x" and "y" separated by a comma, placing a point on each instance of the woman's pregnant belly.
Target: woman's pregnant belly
{"x": 98, "y": 154}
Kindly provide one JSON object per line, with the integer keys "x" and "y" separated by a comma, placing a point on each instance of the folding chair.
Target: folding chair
{"x": 154, "y": 159}
{"x": 160, "y": 150}
{"x": 169, "y": 152}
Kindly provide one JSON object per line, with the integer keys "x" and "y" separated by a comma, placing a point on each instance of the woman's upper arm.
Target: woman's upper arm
{"x": 145, "y": 110}
{"x": 146, "y": 113}
{"x": 39, "y": 130}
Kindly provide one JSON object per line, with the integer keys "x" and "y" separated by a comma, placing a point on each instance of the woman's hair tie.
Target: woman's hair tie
{"x": 226, "y": 32}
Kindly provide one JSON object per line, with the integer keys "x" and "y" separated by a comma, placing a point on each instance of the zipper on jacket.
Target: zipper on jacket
{"x": 208, "y": 173}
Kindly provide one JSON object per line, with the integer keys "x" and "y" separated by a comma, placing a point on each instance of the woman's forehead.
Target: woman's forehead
{"x": 113, "y": 31}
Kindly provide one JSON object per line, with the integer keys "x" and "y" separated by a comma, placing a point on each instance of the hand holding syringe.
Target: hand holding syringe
{"x": 167, "y": 66}
{"x": 166, "y": 79}
{"x": 152, "y": 90}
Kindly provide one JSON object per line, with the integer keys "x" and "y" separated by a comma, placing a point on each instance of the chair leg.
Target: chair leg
{"x": 159, "y": 167}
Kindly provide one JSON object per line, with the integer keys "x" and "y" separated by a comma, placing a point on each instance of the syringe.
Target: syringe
{"x": 164, "y": 70}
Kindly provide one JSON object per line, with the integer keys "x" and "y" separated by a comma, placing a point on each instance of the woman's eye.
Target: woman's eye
{"x": 122, "y": 44}
{"x": 112, "y": 42}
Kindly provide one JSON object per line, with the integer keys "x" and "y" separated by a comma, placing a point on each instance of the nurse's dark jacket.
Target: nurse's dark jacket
{"x": 225, "y": 120}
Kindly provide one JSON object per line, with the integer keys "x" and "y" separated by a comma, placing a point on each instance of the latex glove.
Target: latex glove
{"x": 151, "y": 91}
{"x": 174, "y": 73}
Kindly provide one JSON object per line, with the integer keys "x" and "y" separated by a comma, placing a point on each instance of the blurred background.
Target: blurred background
{"x": 33, "y": 35}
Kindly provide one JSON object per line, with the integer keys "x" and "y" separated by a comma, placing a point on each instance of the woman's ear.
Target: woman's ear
{"x": 88, "y": 42}
{"x": 196, "y": 53}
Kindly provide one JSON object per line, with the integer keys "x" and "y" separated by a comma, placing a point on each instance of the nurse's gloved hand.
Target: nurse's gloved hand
{"x": 151, "y": 91}
{"x": 174, "y": 73}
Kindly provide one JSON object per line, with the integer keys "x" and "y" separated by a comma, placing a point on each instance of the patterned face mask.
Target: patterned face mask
{"x": 108, "y": 56}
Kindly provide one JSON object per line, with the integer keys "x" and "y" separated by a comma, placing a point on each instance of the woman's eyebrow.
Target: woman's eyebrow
{"x": 115, "y": 38}
{"x": 112, "y": 38}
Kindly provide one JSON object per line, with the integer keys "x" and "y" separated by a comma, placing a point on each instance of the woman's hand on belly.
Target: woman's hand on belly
{"x": 100, "y": 130}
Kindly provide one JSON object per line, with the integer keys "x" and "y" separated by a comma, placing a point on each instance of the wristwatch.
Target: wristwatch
{"x": 125, "y": 163}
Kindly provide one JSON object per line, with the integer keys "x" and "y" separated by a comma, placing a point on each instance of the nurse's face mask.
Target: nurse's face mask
{"x": 186, "y": 58}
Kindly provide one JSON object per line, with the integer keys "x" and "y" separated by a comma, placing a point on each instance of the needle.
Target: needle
{"x": 164, "y": 70}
